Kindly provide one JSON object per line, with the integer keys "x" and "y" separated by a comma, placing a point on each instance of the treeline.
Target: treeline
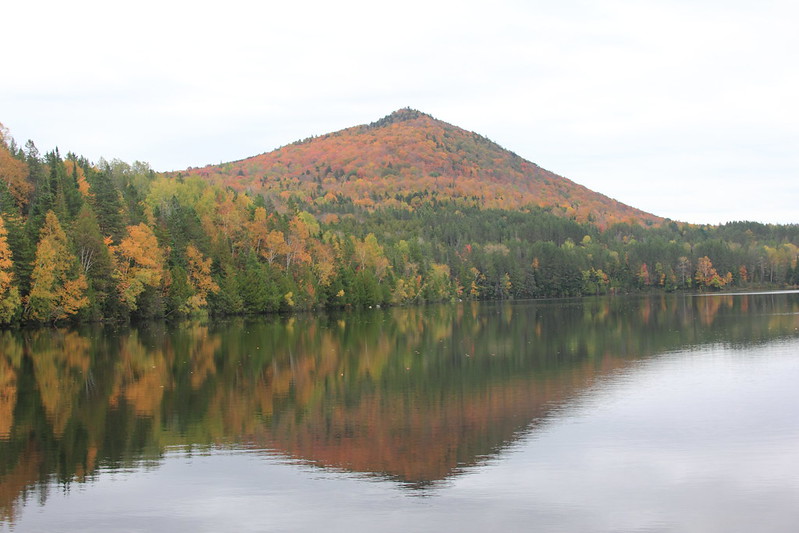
{"x": 113, "y": 241}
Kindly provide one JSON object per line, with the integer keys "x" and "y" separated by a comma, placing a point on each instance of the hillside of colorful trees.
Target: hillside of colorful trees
{"x": 113, "y": 241}
{"x": 408, "y": 156}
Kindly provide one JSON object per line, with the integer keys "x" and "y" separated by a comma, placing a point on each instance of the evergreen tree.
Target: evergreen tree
{"x": 107, "y": 205}
{"x": 42, "y": 198}
{"x": 96, "y": 263}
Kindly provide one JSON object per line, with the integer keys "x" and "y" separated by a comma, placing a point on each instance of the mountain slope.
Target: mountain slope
{"x": 408, "y": 156}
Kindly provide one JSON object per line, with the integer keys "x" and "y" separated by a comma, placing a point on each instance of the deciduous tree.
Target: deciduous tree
{"x": 139, "y": 263}
{"x": 58, "y": 286}
{"x": 9, "y": 294}
{"x": 707, "y": 276}
{"x": 14, "y": 173}
{"x": 199, "y": 278}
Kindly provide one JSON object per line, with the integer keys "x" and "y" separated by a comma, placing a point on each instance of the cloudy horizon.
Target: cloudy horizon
{"x": 685, "y": 110}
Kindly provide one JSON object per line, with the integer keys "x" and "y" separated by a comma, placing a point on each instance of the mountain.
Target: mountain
{"x": 408, "y": 209}
{"x": 409, "y": 155}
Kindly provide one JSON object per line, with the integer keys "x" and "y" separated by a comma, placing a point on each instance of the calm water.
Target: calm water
{"x": 666, "y": 413}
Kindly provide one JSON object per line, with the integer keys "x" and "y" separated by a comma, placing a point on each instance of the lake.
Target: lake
{"x": 651, "y": 413}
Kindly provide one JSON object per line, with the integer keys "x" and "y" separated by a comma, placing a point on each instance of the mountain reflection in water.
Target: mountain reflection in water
{"x": 415, "y": 395}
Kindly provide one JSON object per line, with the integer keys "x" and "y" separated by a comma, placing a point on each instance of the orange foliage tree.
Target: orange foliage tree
{"x": 9, "y": 294}
{"x": 14, "y": 173}
{"x": 72, "y": 168}
{"x": 707, "y": 276}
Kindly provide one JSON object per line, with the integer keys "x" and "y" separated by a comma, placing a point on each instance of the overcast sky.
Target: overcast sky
{"x": 686, "y": 109}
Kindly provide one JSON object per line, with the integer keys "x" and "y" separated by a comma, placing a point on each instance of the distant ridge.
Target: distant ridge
{"x": 409, "y": 154}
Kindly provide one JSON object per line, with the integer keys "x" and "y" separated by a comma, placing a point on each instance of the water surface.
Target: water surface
{"x": 664, "y": 413}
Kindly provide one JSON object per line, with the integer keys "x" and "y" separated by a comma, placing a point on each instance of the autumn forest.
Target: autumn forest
{"x": 405, "y": 210}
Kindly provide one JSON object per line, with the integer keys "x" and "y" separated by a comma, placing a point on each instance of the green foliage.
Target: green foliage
{"x": 150, "y": 245}
{"x": 179, "y": 292}
{"x": 260, "y": 287}
{"x": 107, "y": 205}
{"x": 96, "y": 263}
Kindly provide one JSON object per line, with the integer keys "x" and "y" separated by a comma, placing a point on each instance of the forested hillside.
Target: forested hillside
{"x": 408, "y": 156}
{"x": 115, "y": 241}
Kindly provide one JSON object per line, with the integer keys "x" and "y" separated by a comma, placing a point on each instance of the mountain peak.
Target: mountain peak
{"x": 408, "y": 155}
{"x": 400, "y": 115}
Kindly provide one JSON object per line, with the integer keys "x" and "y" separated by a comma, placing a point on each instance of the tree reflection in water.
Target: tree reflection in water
{"x": 411, "y": 394}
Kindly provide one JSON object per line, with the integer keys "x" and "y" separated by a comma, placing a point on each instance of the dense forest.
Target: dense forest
{"x": 114, "y": 241}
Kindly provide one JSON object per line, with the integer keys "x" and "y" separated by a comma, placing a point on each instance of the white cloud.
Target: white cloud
{"x": 643, "y": 102}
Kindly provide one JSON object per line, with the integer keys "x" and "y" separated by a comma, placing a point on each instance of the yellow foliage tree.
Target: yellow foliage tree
{"x": 369, "y": 253}
{"x": 301, "y": 228}
{"x": 138, "y": 264}
{"x": 274, "y": 245}
{"x": 324, "y": 264}
{"x": 57, "y": 287}
{"x": 199, "y": 278}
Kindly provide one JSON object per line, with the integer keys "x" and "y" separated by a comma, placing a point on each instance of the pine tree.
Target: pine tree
{"x": 42, "y": 197}
{"x": 95, "y": 261}
{"x": 107, "y": 205}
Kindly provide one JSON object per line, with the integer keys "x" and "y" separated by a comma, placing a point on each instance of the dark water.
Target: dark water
{"x": 665, "y": 413}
